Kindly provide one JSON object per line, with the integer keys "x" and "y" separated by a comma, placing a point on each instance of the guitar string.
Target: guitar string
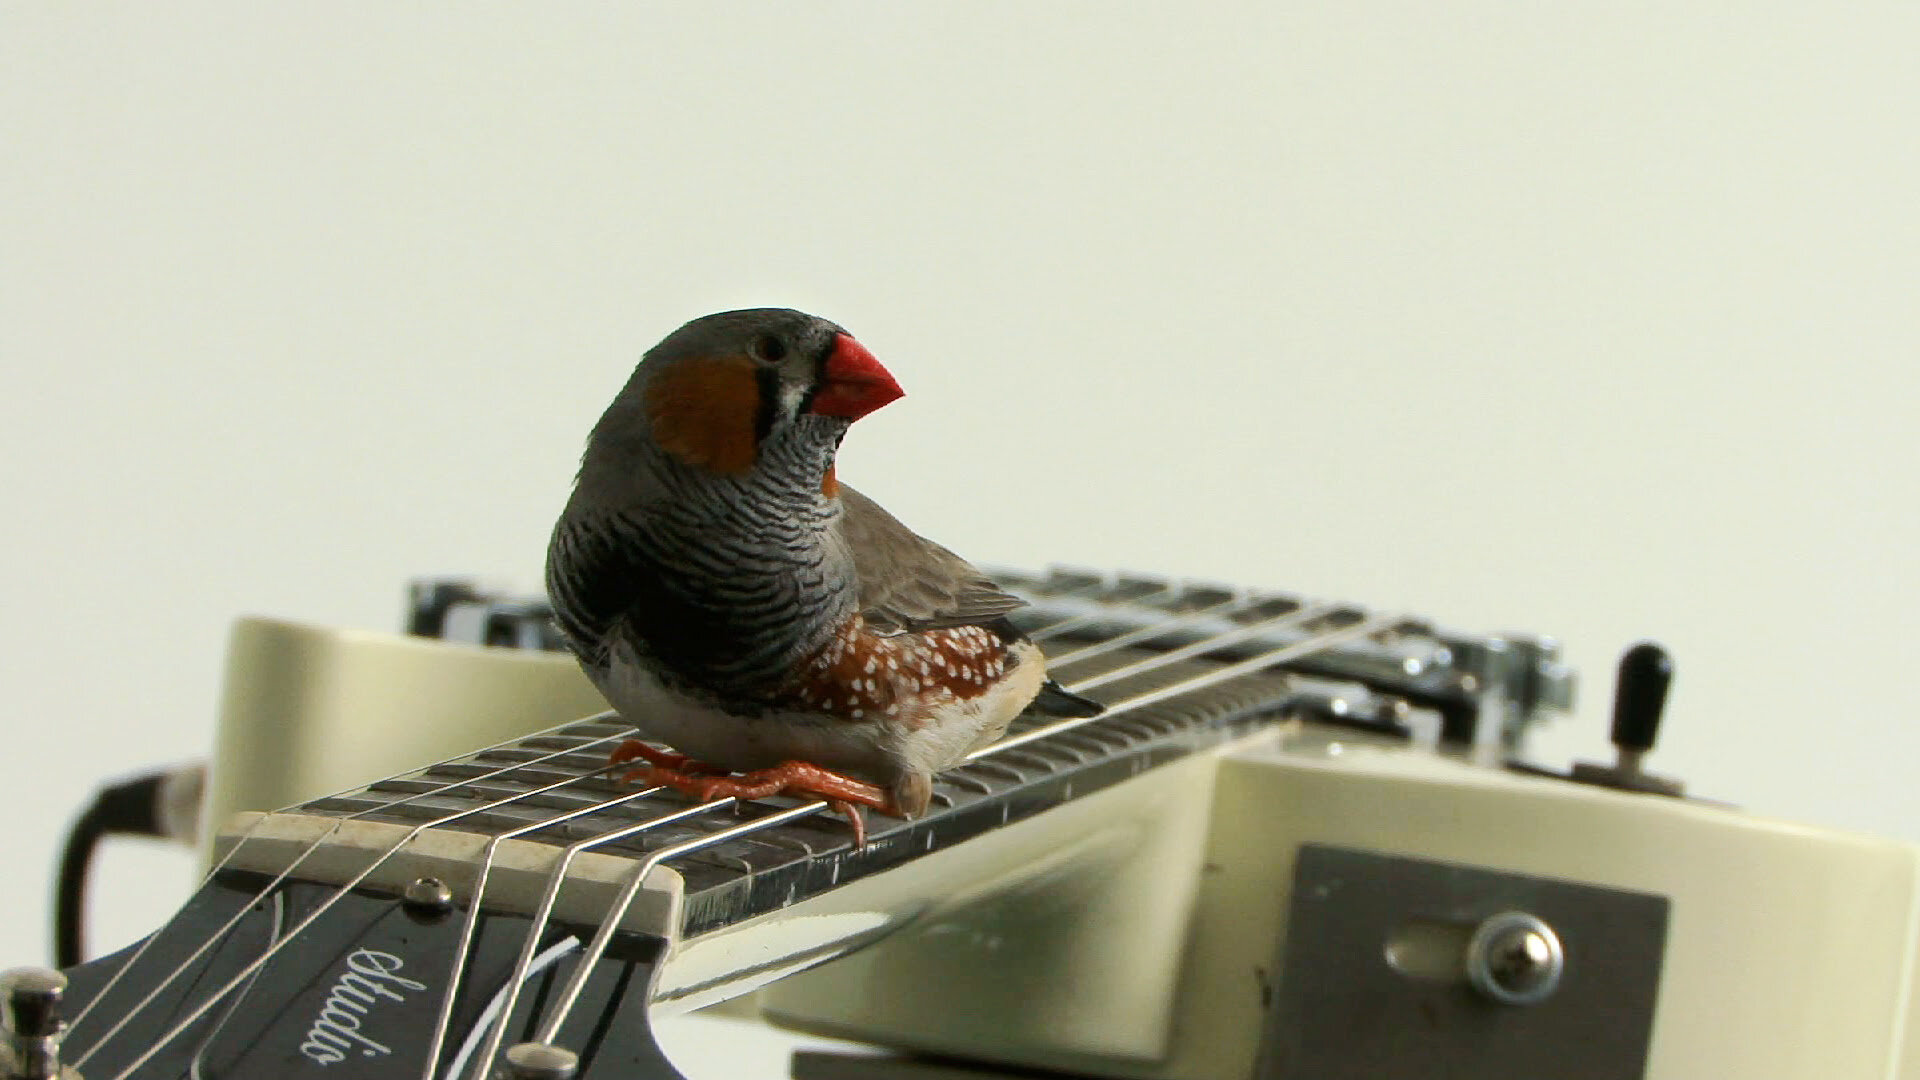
{"x": 1159, "y": 629}
{"x": 1075, "y": 622}
{"x": 219, "y": 934}
{"x": 630, "y": 889}
{"x": 556, "y": 878}
{"x": 147, "y": 943}
{"x": 473, "y": 913}
{"x": 578, "y": 980}
{"x": 1095, "y": 587}
{"x": 1317, "y": 642}
{"x": 321, "y": 909}
{"x": 558, "y": 873}
{"x": 240, "y": 842}
{"x": 484, "y": 1021}
{"x": 564, "y": 1004}
{"x": 544, "y": 910}
{"x": 597, "y": 948}
{"x": 255, "y": 825}
{"x": 752, "y": 826}
{"x": 213, "y": 1032}
{"x": 1298, "y": 617}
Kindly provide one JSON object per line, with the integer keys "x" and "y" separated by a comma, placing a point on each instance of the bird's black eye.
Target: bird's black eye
{"x": 767, "y": 349}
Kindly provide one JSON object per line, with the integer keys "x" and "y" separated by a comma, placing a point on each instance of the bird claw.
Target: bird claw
{"x": 854, "y": 818}
{"x": 843, "y": 794}
{"x": 634, "y": 749}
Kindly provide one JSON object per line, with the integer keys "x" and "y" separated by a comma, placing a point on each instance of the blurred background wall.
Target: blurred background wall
{"x": 1594, "y": 319}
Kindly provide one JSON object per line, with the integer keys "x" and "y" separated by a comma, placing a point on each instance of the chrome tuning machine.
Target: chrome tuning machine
{"x": 31, "y": 1025}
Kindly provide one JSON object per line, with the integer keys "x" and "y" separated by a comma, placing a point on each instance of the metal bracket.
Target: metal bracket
{"x": 1396, "y": 967}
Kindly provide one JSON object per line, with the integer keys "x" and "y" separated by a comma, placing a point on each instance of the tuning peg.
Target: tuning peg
{"x": 30, "y": 1010}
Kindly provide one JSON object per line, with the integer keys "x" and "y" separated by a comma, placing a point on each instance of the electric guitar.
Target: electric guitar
{"x": 1121, "y": 895}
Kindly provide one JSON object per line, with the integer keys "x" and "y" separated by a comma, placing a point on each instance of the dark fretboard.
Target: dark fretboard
{"x": 1216, "y": 642}
{"x": 738, "y": 878}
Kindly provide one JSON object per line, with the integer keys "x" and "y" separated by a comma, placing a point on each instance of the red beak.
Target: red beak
{"x": 854, "y": 382}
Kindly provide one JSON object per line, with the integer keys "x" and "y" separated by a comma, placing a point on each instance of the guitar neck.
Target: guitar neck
{"x": 561, "y": 890}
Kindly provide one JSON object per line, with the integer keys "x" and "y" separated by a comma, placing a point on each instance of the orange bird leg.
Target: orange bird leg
{"x": 842, "y": 793}
{"x": 659, "y": 759}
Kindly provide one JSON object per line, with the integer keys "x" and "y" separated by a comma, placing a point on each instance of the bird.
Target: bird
{"x": 733, "y": 600}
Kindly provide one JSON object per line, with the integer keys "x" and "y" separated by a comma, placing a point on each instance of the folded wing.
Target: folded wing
{"x": 908, "y": 582}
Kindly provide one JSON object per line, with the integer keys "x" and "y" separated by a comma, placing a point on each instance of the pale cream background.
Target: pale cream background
{"x": 1588, "y": 318}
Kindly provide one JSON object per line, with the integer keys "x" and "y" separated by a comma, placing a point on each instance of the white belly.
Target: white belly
{"x": 935, "y": 736}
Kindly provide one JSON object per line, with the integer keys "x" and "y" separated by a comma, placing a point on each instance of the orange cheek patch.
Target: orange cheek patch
{"x": 829, "y": 484}
{"x": 703, "y": 411}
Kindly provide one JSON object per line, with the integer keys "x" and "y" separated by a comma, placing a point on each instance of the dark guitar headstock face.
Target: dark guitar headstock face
{"x": 358, "y": 992}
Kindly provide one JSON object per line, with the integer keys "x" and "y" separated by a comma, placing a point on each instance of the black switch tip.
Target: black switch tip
{"x": 1640, "y": 694}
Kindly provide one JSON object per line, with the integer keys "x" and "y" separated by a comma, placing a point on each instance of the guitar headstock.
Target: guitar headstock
{"x": 316, "y": 976}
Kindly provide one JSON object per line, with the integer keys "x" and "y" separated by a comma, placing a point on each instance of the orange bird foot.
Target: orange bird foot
{"x": 634, "y": 749}
{"x": 697, "y": 778}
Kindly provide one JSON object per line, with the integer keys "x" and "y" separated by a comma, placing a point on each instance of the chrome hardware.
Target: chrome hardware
{"x": 1515, "y": 959}
{"x": 1424, "y": 949}
{"x": 537, "y": 1061}
{"x": 1514, "y": 677}
{"x": 33, "y": 1025}
{"x": 428, "y": 897}
{"x": 1353, "y": 705}
{"x": 1489, "y": 690}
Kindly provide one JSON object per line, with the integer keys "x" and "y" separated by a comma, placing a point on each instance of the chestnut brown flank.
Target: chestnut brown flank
{"x": 860, "y": 675}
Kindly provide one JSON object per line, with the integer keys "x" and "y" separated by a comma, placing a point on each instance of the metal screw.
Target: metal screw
{"x": 428, "y": 896}
{"x": 537, "y": 1061}
{"x": 1515, "y": 959}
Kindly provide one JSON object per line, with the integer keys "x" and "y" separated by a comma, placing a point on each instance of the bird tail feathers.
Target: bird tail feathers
{"x": 1057, "y": 700}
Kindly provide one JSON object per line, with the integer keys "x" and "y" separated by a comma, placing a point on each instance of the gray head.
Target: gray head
{"x": 716, "y": 393}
